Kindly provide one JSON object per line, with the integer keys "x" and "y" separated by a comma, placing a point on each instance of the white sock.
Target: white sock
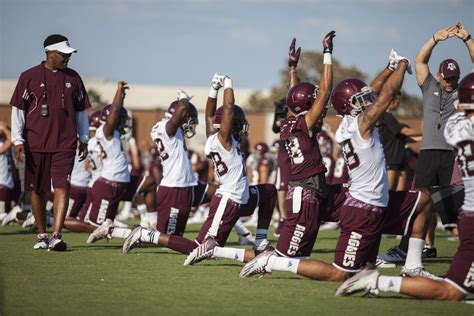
{"x": 415, "y": 248}
{"x": 150, "y": 236}
{"x": 283, "y": 264}
{"x": 142, "y": 210}
{"x": 49, "y": 205}
{"x": 127, "y": 207}
{"x": 121, "y": 233}
{"x": 152, "y": 218}
{"x": 241, "y": 229}
{"x": 389, "y": 284}
{"x": 229, "y": 253}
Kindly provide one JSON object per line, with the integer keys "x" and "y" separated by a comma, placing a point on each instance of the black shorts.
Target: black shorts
{"x": 434, "y": 167}
{"x": 396, "y": 166}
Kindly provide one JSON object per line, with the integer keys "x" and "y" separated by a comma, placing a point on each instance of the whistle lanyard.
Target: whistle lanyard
{"x": 45, "y": 97}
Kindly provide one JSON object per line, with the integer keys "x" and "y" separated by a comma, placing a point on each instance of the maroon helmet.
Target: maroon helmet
{"x": 240, "y": 124}
{"x": 125, "y": 121}
{"x": 261, "y": 148}
{"x": 301, "y": 96}
{"x": 351, "y": 96}
{"x": 189, "y": 126}
{"x": 466, "y": 92}
{"x": 94, "y": 120}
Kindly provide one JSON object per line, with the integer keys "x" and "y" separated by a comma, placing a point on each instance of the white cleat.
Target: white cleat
{"x": 11, "y": 216}
{"x": 120, "y": 224}
{"x": 30, "y": 220}
{"x": 418, "y": 272}
{"x": 202, "y": 252}
{"x": 363, "y": 281}
{"x": 132, "y": 240}
{"x": 259, "y": 265}
{"x": 42, "y": 242}
{"x": 101, "y": 232}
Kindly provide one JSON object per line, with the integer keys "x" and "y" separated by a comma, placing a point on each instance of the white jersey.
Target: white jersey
{"x": 114, "y": 160}
{"x": 229, "y": 169}
{"x": 94, "y": 160}
{"x": 80, "y": 176}
{"x": 177, "y": 168}
{"x": 366, "y": 163}
{"x": 6, "y": 177}
{"x": 459, "y": 132}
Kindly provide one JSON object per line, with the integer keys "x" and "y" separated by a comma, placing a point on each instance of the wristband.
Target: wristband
{"x": 213, "y": 93}
{"x": 227, "y": 83}
{"x": 436, "y": 42}
{"x": 467, "y": 38}
{"x": 327, "y": 60}
{"x": 292, "y": 71}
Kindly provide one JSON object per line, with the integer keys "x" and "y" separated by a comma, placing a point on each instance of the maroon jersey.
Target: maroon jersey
{"x": 302, "y": 148}
{"x": 64, "y": 93}
{"x": 339, "y": 172}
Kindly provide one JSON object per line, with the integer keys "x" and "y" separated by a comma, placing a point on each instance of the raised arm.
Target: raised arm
{"x": 325, "y": 84}
{"x": 293, "y": 58}
{"x": 117, "y": 104}
{"x": 211, "y": 104}
{"x": 422, "y": 58}
{"x": 225, "y": 131}
{"x": 180, "y": 113}
{"x": 464, "y": 35}
{"x": 368, "y": 119}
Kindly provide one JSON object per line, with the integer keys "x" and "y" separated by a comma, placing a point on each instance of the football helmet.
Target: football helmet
{"x": 94, "y": 120}
{"x": 351, "y": 96}
{"x": 125, "y": 120}
{"x": 466, "y": 92}
{"x": 301, "y": 96}
{"x": 240, "y": 125}
{"x": 189, "y": 126}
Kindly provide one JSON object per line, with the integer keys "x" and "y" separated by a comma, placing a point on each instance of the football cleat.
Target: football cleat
{"x": 248, "y": 239}
{"x": 56, "y": 243}
{"x": 262, "y": 247}
{"x": 120, "y": 224}
{"x": 133, "y": 240}
{"x": 418, "y": 272}
{"x": 42, "y": 242}
{"x": 258, "y": 265}
{"x": 394, "y": 255}
{"x": 363, "y": 281}
{"x": 328, "y": 226}
{"x": 380, "y": 263}
{"x": 202, "y": 252}
{"x": 11, "y": 216}
{"x": 30, "y": 220}
{"x": 101, "y": 232}
{"x": 429, "y": 252}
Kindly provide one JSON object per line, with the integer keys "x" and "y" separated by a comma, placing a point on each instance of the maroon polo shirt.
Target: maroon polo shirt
{"x": 57, "y": 131}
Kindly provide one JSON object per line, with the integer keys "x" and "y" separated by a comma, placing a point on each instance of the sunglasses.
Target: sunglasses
{"x": 63, "y": 54}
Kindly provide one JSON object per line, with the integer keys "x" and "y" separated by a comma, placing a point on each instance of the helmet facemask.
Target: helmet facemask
{"x": 189, "y": 127}
{"x": 362, "y": 100}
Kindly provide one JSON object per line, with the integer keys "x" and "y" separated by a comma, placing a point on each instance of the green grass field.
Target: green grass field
{"x": 99, "y": 279}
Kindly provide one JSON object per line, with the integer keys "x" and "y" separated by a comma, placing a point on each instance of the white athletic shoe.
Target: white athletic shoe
{"x": 363, "y": 281}
{"x": 418, "y": 272}
{"x": 29, "y": 221}
{"x": 328, "y": 226}
{"x": 120, "y": 224}
{"x": 42, "y": 242}
{"x": 56, "y": 243}
{"x": 132, "y": 240}
{"x": 202, "y": 252}
{"x": 381, "y": 263}
{"x": 259, "y": 265}
{"x": 11, "y": 216}
{"x": 262, "y": 247}
{"x": 248, "y": 239}
{"x": 2, "y": 216}
{"x": 101, "y": 232}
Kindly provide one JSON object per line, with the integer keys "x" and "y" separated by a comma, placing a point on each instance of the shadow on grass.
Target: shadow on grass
{"x": 19, "y": 232}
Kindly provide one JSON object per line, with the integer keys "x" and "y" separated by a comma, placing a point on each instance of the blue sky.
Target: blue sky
{"x": 185, "y": 42}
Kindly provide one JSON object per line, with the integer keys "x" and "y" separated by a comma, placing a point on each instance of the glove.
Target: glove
{"x": 394, "y": 59}
{"x": 327, "y": 42}
{"x": 183, "y": 95}
{"x": 293, "y": 56}
{"x": 217, "y": 81}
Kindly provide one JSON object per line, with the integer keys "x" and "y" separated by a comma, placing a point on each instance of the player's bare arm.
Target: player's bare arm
{"x": 211, "y": 104}
{"x": 325, "y": 84}
{"x": 369, "y": 118}
{"x": 463, "y": 34}
{"x": 422, "y": 58}
{"x": 179, "y": 115}
{"x": 380, "y": 80}
{"x": 225, "y": 132}
{"x": 293, "y": 58}
{"x": 114, "y": 117}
